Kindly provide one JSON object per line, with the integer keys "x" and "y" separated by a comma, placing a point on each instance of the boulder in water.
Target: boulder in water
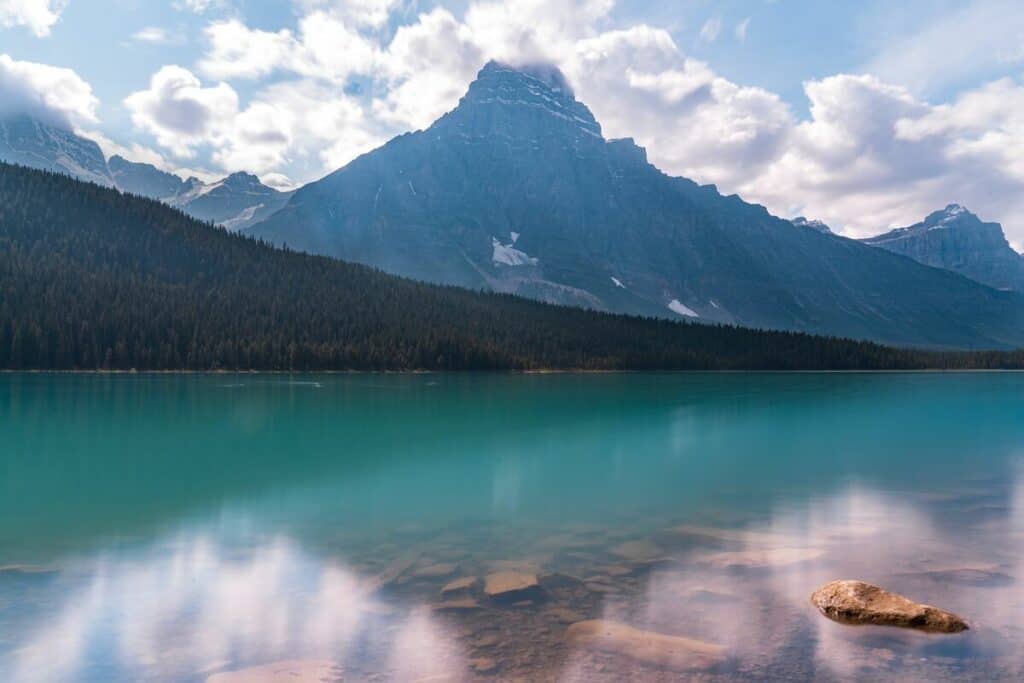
{"x": 857, "y": 602}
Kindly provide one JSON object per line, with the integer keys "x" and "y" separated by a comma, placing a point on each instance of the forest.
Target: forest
{"x": 93, "y": 279}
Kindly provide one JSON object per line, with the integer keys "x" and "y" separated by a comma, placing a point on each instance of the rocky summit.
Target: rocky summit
{"x": 956, "y": 239}
{"x": 517, "y": 190}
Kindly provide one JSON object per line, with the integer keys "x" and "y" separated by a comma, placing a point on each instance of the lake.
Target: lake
{"x": 230, "y": 528}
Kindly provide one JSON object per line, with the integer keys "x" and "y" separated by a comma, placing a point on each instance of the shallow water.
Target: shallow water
{"x": 194, "y": 528}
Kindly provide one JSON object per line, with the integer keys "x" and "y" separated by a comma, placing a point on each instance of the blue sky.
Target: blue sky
{"x": 866, "y": 114}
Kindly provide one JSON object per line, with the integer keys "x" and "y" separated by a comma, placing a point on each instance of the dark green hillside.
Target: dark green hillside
{"x": 91, "y": 278}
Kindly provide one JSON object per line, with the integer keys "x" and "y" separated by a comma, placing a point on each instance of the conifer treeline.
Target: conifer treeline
{"x": 93, "y": 279}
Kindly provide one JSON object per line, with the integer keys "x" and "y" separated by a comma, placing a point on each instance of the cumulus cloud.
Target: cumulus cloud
{"x": 56, "y": 95}
{"x": 180, "y": 112}
{"x": 38, "y": 16}
{"x": 873, "y": 156}
{"x": 283, "y": 123}
{"x": 325, "y": 47}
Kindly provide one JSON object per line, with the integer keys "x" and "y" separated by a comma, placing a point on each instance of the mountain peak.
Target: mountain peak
{"x": 545, "y": 73}
{"x": 812, "y": 223}
{"x": 242, "y": 179}
{"x": 521, "y": 101}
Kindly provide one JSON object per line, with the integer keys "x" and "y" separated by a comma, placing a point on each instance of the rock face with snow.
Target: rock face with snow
{"x": 31, "y": 142}
{"x": 517, "y": 190}
{"x": 236, "y": 202}
{"x": 955, "y": 239}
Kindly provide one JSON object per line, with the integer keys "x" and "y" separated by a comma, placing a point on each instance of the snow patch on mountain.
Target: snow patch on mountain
{"x": 242, "y": 218}
{"x": 508, "y": 255}
{"x": 676, "y": 306}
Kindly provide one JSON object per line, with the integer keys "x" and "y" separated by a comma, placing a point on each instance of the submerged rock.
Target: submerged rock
{"x": 483, "y": 665}
{"x": 458, "y": 586}
{"x": 565, "y": 615}
{"x": 436, "y": 571}
{"x": 857, "y": 602}
{"x": 512, "y": 586}
{"x": 647, "y": 647}
{"x": 293, "y": 671}
{"x": 638, "y": 551}
{"x": 460, "y": 605}
{"x": 760, "y": 559}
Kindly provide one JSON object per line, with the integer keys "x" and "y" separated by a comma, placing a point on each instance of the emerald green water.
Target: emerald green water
{"x": 181, "y": 528}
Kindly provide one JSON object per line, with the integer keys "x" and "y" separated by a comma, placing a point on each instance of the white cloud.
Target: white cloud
{"x": 180, "y": 113}
{"x": 741, "y": 30}
{"x": 325, "y": 48}
{"x": 292, "y": 121}
{"x": 55, "y": 94}
{"x": 153, "y": 34}
{"x": 692, "y": 121}
{"x": 710, "y": 30}
{"x": 38, "y": 16}
{"x": 368, "y": 13}
{"x": 873, "y": 156}
{"x": 236, "y": 51}
{"x": 197, "y": 6}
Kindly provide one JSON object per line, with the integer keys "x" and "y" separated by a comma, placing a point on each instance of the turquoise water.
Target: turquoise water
{"x": 191, "y": 528}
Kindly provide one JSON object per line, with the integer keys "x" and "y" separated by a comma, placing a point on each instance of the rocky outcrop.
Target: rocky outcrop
{"x": 857, "y": 602}
{"x": 646, "y": 647}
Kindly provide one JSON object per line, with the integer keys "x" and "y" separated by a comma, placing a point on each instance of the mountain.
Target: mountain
{"x": 31, "y": 142}
{"x": 802, "y": 222}
{"x": 516, "y": 190}
{"x": 236, "y": 202}
{"x": 144, "y": 179}
{"x": 93, "y": 278}
{"x": 955, "y": 239}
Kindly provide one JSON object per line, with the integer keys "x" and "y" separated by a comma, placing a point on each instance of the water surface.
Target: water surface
{"x": 209, "y": 528}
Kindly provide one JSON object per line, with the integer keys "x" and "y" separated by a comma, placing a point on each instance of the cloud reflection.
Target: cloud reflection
{"x": 191, "y": 607}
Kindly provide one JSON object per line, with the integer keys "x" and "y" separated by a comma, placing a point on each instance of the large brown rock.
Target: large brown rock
{"x": 647, "y": 647}
{"x": 857, "y": 602}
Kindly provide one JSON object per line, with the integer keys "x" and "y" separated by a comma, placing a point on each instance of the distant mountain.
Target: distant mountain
{"x": 144, "y": 179}
{"x": 516, "y": 190}
{"x": 30, "y": 142}
{"x": 93, "y": 278}
{"x": 236, "y": 202}
{"x": 802, "y": 222}
{"x": 957, "y": 240}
